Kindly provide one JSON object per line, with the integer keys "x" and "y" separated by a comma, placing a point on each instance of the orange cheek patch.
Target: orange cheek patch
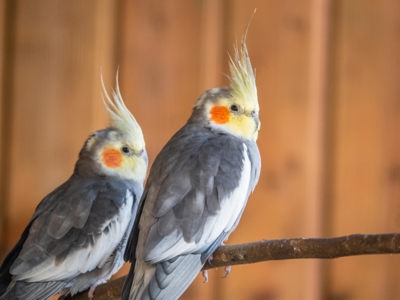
{"x": 112, "y": 157}
{"x": 220, "y": 114}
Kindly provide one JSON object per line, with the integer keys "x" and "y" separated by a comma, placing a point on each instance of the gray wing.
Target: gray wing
{"x": 171, "y": 186}
{"x": 65, "y": 229}
{"x": 186, "y": 191}
{"x": 5, "y": 276}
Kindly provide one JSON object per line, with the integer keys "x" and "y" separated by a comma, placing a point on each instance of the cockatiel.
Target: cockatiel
{"x": 197, "y": 188}
{"x": 78, "y": 233}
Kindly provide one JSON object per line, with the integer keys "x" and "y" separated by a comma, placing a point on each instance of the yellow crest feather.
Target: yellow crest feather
{"x": 121, "y": 118}
{"x": 242, "y": 78}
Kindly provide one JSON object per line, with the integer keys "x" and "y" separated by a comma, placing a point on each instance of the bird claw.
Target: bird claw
{"x": 205, "y": 276}
{"x": 228, "y": 270}
{"x": 91, "y": 292}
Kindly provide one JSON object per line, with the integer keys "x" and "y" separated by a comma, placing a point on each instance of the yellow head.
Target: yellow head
{"x": 234, "y": 109}
{"x": 118, "y": 150}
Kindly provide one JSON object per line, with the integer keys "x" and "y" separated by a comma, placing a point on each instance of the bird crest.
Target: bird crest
{"x": 242, "y": 78}
{"x": 121, "y": 118}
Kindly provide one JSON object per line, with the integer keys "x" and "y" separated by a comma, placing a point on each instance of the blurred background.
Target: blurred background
{"x": 328, "y": 74}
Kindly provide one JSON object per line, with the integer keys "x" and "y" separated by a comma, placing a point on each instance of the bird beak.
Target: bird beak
{"x": 256, "y": 119}
{"x": 138, "y": 152}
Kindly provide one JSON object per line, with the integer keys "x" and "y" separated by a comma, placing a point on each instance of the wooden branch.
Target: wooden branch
{"x": 356, "y": 244}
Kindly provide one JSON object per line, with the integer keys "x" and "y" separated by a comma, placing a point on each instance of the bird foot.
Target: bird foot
{"x": 205, "y": 276}
{"x": 91, "y": 292}
{"x": 228, "y": 270}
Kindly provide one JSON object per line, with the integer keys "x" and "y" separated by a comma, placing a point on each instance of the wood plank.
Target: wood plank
{"x": 366, "y": 142}
{"x": 105, "y": 21}
{"x": 55, "y": 72}
{"x": 2, "y": 124}
{"x": 288, "y": 53}
{"x": 159, "y": 65}
{"x": 320, "y": 31}
{"x": 160, "y": 56}
{"x": 212, "y": 52}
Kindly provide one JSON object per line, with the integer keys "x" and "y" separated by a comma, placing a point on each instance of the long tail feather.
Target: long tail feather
{"x": 32, "y": 290}
{"x": 161, "y": 285}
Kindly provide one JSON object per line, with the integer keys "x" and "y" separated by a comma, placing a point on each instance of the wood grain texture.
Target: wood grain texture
{"x": 56, "y": 66}
{"x": 327, "y": 74}
{"x": 366, "y": 142}
{"x": 283, "y": 45}
{"x": 3, "y": 13}
{"x": 159, "y": 58}
{"x": 8, "y": 24}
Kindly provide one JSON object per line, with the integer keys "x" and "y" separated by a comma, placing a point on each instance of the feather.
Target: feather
{"x": 161, "y": 246}
{"x": 121, "y": 118}
{"x": 34, "y": 264}
{"x": 242, "y": 78}
{"x": 82, "y": 256}
{"x": 5, "y": 276}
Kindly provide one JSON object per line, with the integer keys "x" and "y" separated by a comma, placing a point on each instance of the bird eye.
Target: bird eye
{"x": 234, "y": 108}
{"x": 126, "y": 150}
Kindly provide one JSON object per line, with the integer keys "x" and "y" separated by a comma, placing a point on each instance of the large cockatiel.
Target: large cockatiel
{"x": 197, "y": 188}
{"x": 78, "y": 233}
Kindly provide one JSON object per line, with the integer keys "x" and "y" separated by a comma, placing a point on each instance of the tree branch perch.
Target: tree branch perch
{"x": 326, "y": 248}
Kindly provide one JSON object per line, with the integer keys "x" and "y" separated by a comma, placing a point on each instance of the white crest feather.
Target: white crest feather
{"x": 121, "y": 118}
{"x": 242, "y": 79}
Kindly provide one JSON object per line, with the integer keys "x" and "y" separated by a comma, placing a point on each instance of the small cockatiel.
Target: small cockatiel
{"x": 197, "y": 188}
{"x": 78, "y": 233}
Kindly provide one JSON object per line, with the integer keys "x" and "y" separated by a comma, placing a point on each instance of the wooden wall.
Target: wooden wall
{"x": 328, "y": 76}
